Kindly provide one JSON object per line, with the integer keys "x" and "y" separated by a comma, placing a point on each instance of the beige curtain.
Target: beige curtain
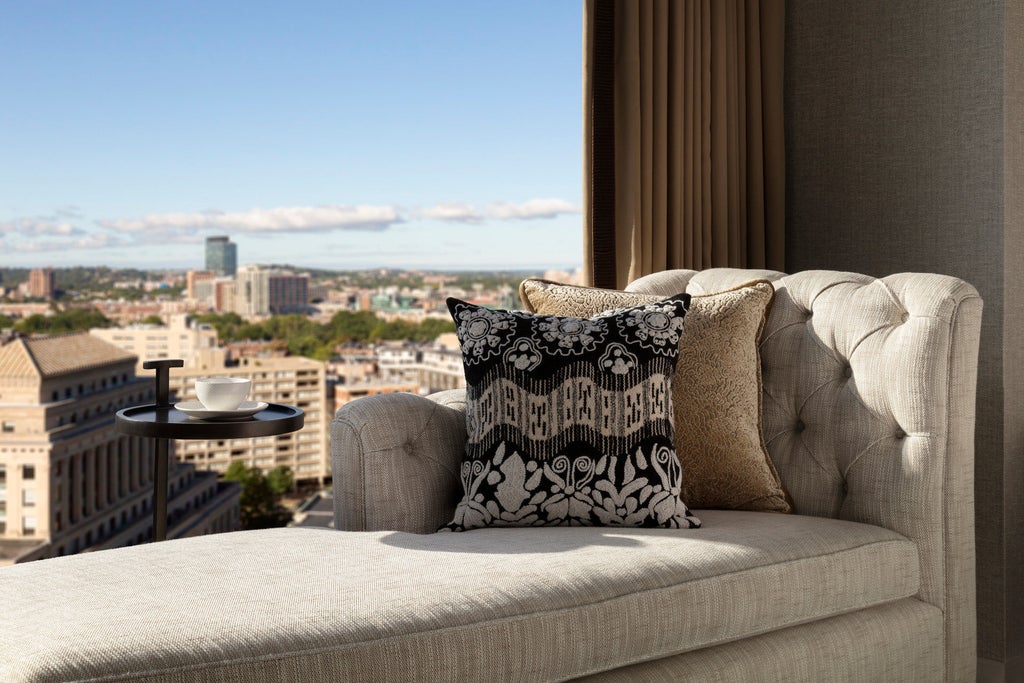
{"x": 698, "y": 158}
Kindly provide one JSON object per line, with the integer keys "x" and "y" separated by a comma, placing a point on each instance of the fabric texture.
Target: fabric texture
{"x": 868, "y": 412}
{"x": 900, "y": 641}
{"x": 698, "y": 158}
{"x": 716, "y": 391}
{"x": 869, "y": 405}
{"x": 569, "y": 419}
{"x": 300, "y": 604}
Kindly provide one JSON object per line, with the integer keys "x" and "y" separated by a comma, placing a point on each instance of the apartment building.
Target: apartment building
{"x": 346, "y": 393}
{"x": 41, "y": 283}
{"x": 432, "y": 368}
{"x": 263, "y": 291}
{"x": 68, "y": 481}
{"x": 290, "y": 380}
{"x": 181, "y": 337}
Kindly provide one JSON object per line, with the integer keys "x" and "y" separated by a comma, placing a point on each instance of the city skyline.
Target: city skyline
{"x": 331, "y": 135}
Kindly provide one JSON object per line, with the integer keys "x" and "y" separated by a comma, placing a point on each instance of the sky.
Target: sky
{"x": 338, "y": 134}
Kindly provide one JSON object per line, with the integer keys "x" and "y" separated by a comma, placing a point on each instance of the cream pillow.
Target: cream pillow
{"x": 716, "y": 390}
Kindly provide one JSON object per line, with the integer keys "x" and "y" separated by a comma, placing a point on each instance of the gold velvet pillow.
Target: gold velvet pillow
{"x": 716, "y": 389}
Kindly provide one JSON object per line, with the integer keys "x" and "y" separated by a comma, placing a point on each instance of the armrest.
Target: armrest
{"x": 396, "y": 460}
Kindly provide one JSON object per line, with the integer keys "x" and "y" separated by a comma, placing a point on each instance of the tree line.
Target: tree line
{"x": 304, "y": 337}
{"x": 294, "y": 332}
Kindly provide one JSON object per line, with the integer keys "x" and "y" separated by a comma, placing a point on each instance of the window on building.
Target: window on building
{"x": 28, "y": 524}
{"x": 8, "y": 427}
{"x": 28, "y": 472}
{"x": 28, "y": 497}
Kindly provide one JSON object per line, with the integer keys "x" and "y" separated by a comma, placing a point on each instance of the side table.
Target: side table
{"x": 161, "y": 422}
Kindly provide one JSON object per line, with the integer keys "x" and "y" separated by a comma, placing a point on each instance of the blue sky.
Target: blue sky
{"x": 335, "y": 134}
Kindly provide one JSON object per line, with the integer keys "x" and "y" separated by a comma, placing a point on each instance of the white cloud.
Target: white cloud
{"x": 88, "y": 241}
{"x": 281, "y": 219}
{"x": 457, "y": 212}
{"x": 32, "y": 227}
{"x": 52, "y": 228}
{"x": 69, "y": 230}
{"x": 534, "y": 208}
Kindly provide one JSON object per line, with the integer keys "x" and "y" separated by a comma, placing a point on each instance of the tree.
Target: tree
{"x": 281, "y": 480}
{"x": 259, "y": 506}
{"x": 153, "y": 319}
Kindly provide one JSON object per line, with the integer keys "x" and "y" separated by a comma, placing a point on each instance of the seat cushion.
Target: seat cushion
{"x": 537, "y": 604}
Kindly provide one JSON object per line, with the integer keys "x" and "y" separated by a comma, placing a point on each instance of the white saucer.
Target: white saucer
{"x": 194, "y": 408}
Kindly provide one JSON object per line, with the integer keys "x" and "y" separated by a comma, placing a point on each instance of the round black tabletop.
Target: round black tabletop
{"x": 170, "y": 423}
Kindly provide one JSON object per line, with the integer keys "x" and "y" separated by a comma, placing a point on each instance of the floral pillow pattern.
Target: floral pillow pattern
{"x": 570, "y": 420}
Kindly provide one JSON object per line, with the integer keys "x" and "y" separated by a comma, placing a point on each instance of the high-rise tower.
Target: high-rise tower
{"x": 221, "y": 256}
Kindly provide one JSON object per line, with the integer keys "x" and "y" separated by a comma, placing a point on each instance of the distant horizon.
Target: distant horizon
{"x": 184, "y": 269}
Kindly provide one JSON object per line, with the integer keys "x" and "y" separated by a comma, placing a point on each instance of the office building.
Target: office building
{"x": 221, "y": 256}
{"x": 41, "y": 283}
{"x": 199, "y": 286}
{"x": 287, "y": 293}
{"x": 68, "y": 481}
{"x": 263, "y": 291}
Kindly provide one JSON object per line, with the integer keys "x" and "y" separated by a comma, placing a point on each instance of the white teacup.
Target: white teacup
{"x": 222, "y": 393}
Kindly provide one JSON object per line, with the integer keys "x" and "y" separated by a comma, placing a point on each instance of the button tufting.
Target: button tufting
{"x": 900, "y": 434}
{"x": 799, "y": 426}
{"x": 847, "y": 372}
{"x": 905, "y": 317}
{"x": 408, "y": 448}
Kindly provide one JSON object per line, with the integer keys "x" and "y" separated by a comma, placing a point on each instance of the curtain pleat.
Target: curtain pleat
{"x": 699, "y": 167}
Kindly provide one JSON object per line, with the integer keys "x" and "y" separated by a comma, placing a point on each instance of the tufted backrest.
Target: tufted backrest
{"x": 868, "y": 412}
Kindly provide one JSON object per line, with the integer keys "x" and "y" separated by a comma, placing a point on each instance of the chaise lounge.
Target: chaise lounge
{"x": 868, "y": 416}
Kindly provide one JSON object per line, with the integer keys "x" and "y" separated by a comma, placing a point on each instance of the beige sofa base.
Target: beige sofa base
{"x": 901, "y": 641}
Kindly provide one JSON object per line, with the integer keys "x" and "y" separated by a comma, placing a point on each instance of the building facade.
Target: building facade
{"x": 433, "y": 368}
{"x": 182, "y": 337}
{"x": 41, "y": 283}
{"x": 68, "y": 481}
{"x": 289, "y": 380}
{"x": 287, "y": 293}
{"x": 262, "y": 291}
{"x": 221, "y": 256}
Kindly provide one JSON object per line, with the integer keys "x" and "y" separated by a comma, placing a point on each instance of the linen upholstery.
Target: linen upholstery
{"x": 869, "y": 402}
{"x": 891, "y": 444}
{"x": 900, "y": 641}
{"x": 395, "y": 461}
{"x": 305, "y": 604}
{"x": 716, "y": 390}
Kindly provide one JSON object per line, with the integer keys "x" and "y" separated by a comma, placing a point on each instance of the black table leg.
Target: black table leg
{"x": 163, "y": 396}
{"x": 160, "y": 492}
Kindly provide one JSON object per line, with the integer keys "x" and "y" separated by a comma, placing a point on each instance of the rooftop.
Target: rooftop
{"x": 58, "y": 355}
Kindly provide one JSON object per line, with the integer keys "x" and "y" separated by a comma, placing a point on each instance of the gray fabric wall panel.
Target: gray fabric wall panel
{"x": 1013, "y": 348}
{"x": 895, "y": 162}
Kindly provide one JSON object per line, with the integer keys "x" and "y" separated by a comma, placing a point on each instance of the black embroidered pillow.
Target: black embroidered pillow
{"x": 570, "y": 419}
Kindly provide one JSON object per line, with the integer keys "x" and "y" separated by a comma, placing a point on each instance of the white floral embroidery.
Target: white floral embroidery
{"x": 570, "y": 336}
{"x": 617, "y": 360}
{"x": 524, "y": 355}
{"x": 656, "y": 326}
{"x": 483, "y": 332}
{"x": 631, "y": 490}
